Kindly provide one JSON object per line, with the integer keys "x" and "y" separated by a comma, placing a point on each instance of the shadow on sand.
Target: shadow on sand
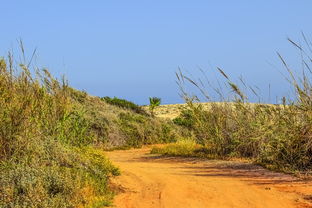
{"x": 200, "y": 167}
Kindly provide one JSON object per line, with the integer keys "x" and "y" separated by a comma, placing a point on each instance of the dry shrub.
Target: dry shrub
{"x": 44, "y": 158}
{"x": 277, "y": 136}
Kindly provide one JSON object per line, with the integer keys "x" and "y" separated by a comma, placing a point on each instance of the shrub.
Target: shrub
{"x": 276, "y": 136}
{"x": 44, "y": 161}
{"x": 122, "y": 103}
{"x": 185, "y": 119}
{"x": 183, "y": 147}
{"x": 141, "y": 130}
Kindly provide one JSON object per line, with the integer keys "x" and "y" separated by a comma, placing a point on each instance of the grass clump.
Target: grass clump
{"x": 187, "y": 147}
{"x": 45, "y": 155}
{"x": 183, "y": 147}
{"x": 277, "y": 136}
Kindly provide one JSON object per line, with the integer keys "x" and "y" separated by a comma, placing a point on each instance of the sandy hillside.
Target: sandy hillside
{"x": 170, "y": 111}
{"x": 149, "y": 181}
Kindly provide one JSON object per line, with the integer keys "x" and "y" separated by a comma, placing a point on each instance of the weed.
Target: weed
{"x": 278, "y": 136}
{"x": 44, "y": 158}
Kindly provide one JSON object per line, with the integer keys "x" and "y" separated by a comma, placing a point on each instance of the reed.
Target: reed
{"x": 44, "y": 157}
{"x": 276, "y": 135}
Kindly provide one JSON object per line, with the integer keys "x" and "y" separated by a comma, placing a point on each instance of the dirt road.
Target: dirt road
{"x": 151, "y": 181}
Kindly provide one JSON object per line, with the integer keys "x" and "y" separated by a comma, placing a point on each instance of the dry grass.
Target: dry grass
{"x": 45, "y": 157}
{"x": 172, "y": 111}
{"x": 277, "y": 136}
{"x": 51, "y": 137}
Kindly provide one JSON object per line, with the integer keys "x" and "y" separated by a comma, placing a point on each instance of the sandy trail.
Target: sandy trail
{"x": 151, "y": 181}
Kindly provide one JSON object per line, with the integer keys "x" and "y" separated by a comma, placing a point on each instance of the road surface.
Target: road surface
{"x": 149, "y": 181}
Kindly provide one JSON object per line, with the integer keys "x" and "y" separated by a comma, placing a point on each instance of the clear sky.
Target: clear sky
{"x": 131, "y": 49}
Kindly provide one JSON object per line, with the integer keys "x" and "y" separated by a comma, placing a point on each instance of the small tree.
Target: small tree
{"x": 154, "y": 102}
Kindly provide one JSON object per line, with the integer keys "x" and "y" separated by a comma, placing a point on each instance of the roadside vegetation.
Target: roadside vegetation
{"x": 118, "y": 126}
{"x": 52, "y": 136}
{"x": 186, "y": 147}
{"x": 45, "y": 160}
{"x": 52, "y": 139}
{"x": 277, "y": 136}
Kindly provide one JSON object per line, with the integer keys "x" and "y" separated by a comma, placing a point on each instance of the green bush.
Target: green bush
{"x": 122, "y": 103}
{"x": 185, "y": 119}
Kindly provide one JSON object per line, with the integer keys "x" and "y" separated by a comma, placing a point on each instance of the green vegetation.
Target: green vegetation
{"x": 140, "y": 130}
{"x": 154, "y": 102}
{"x": 276, "y": 136}
{"x": 51, "y": 138}
{"x": 115, "y": 127}
{"x": 185, "y": 119}
{"x": 125, "y": 104}
{"x": 186, "y": 147}
{"x": 44, "y": 157}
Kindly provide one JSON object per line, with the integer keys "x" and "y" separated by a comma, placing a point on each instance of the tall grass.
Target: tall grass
{"x": 44, "y": 157}
{"x": 51, "y": 137}
{"x": 278, "y": 136}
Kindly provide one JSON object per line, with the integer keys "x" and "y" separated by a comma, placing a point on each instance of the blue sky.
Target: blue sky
{"x": 131, "y": 49}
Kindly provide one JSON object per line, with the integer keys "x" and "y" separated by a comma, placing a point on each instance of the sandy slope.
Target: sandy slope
{"x": 151, "y": 181}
